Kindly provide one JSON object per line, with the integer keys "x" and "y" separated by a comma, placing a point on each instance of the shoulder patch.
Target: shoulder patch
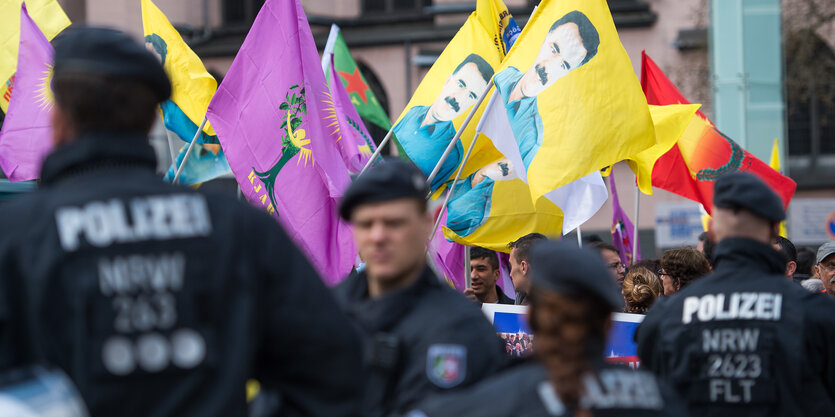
{"x": 446, "y": 365}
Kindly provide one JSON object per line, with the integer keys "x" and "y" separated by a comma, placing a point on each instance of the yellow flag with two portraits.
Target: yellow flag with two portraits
{"x": 570, "y": 93}
{"x": 442, "y": 101}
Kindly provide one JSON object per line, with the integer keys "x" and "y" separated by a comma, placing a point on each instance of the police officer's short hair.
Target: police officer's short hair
{"x": 524, "y": 244}
{"x": 477, "y": 252}
{"x": 484, "y": 68}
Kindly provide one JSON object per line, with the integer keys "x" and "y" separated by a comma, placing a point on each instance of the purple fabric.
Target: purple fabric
{"x": 623, "y": 232}
{"x": 26, "y": 137}
{"x": 269, "y": 115}
{"x": 347, "y": 123}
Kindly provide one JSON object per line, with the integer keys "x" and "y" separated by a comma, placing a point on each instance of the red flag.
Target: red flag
{"x": 702, "y": 153}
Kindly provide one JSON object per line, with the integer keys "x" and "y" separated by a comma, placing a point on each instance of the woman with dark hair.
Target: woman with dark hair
{"x": 572, "y": 300}
{"x": 680, "y": 267}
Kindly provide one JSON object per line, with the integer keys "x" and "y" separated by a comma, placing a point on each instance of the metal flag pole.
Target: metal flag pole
{"x": 188, "y": 152}
{"x": 377, "y": 152}
{"x": 467, "y": 278}
{"x": 635, "y": 238}
{"x": 452, "y": 187}
{"x": 458, "y": 134}
{"x": 579, "y": 237}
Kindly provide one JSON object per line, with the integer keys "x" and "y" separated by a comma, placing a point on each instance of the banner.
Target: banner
{"x": 498, "y": 21}
{"x": 623, "y": 232}
{"x": 353, "y": 140}
{"x": 511, "y": 323}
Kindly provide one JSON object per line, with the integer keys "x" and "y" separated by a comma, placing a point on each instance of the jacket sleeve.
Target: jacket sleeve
{"x": 647, "y": 337}
{"x": 309, "y": 351}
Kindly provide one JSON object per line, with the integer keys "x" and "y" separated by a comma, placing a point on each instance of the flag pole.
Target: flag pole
{"x": 579, "y": 237}
{"x": 458, "y": 134}
{"x": 635, "y": 238}
{"x": 377, "y": 151}
{"x": 188, "y": 152}
{"x": 454, "y": 183}
{"x": 467, "y": 278}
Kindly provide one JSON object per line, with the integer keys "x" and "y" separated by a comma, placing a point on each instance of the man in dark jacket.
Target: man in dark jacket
{"x": 155, "y": 299}
{"x": 744, "y": 340}
{"x": 484, "y": 274}
{"x": 422, "y": 336}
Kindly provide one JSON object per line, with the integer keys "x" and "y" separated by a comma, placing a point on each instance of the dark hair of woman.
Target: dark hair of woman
{"x": 570, "y": 338}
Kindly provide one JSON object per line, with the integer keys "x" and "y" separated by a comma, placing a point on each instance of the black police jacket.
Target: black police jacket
{"x": 420, "y": 339}
{"x": 158, "y": 300}
{"x": 744, "y": 340}
{"x": 525, "y": 391}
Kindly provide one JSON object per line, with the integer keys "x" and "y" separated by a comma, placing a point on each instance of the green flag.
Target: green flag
{"x": 361, "y": 95}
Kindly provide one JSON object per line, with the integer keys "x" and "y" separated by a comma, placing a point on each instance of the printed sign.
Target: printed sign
{"x": 677, "y": 224}
{"x": 812, "y": 220}
{"x": 511, "y": 323}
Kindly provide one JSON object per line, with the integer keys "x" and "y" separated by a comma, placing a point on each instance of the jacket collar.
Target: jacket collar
{"x": 95, "y": 150}
{"x": 736, "y": 253}
{"x": 381, "y": 314}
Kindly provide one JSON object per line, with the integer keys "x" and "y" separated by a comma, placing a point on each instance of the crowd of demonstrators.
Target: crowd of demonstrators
{"x": 484, "y": 274}
{"x": 571, "y": 297}
{"x": 611, "y": 256}
{"x": 518, "y": 345}
{"x": 420, "y": 335}
{"x": 156, "y": 299}
{"x": 679, "y": 267}
{"x": 520, "y": 264}
{"x": 744, "y": 340}
{"x": 641, "y": 288}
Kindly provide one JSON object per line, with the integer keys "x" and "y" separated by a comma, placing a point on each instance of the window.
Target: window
{"x": 240, "y": 12}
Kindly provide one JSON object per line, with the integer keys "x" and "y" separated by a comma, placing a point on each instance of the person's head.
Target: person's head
{"x": 572, "y": 298}
{"x": 520, "y": 263}
{"x": 705, "y": 246}
{"x": 680, "y": 267}
{"x": 745, "y": 207}
{"x": 788, "y": 252}
{"x": 461, "y": 89}
{"x": 104, "y": 82}
{"x": 387, "y": 208}
{"x": 484, "y": 272}
{"x": 570, "y": 42}
{"x": 611, "y": 256}
{"x": 641, "y": 288}
{"x": 825, "y": 267}
{"x": 805, "y": 263}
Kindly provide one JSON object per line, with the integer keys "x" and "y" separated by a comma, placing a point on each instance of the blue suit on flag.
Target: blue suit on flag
{"x": 469, "y": 206}
{"x": 424, "y": 145}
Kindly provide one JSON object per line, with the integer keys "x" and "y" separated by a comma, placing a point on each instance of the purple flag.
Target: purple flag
{"x": 269, "y": 115}
{"x": 623, "y": 232}
{"x": 26, "y": 137}
{"x": 354, "y": 142}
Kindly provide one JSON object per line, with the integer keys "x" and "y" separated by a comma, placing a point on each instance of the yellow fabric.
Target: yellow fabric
{"x": 594, "y": 116}
{"x": 47, "y": 14}
{"x": 488, "y": 13}
{"x": 512, "y": 214}
{"x": 669, "y": 123}
{"x": 472, "y": 38}
{"x": 775, "y": 163}
{"x": 192, "y": 87}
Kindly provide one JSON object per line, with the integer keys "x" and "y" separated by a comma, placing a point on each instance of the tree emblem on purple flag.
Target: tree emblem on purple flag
{"x": 293, "y": 139}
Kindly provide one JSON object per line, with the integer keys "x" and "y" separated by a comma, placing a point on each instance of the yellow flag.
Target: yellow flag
{"x": 192, "y": 87}
{"x": 499, "y": 23}
{"x": 442, "y": 101}
{"x": 574, "y": 102}
{"x": 47, "y": 14}
{"x": 669, "y": 122}
{"x": 775, "y": 163}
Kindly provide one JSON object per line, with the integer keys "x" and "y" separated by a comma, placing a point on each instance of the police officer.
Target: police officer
{"x": 155, "y": 299}
{"x": 422, "y": 336}
{"x": 571, "y": 301}
{"x": 743, "y": 340}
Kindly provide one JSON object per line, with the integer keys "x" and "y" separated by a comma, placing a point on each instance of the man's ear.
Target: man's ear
{"x": 791, "y": 267}
{"x": 524, "y": 266}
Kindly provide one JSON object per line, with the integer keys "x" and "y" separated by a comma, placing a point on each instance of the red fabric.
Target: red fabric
{"x": 672, "y": 173}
